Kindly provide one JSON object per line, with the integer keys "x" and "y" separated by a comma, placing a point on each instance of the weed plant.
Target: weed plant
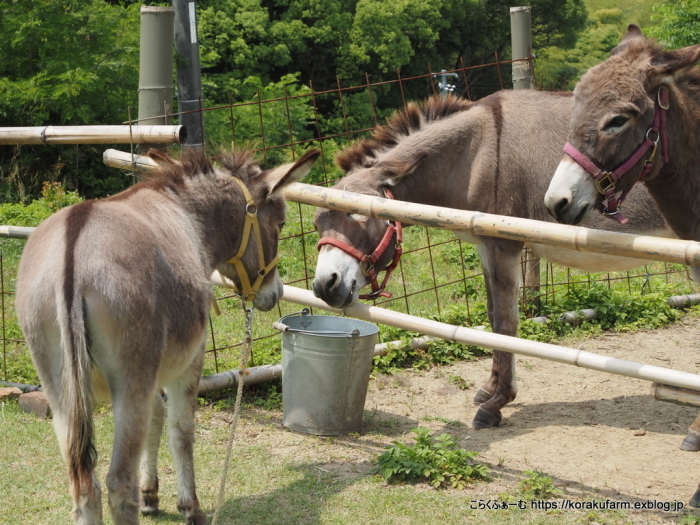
{"x": 537, "y": 485}
{"x": 437, "y": 461}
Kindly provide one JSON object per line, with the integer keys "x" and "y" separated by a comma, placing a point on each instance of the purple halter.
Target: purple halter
{"x": 605, "y": 180}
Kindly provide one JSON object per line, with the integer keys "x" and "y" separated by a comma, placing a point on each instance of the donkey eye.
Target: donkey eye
{"x": 616, "y": 122}
{"x": 282, "y": 225}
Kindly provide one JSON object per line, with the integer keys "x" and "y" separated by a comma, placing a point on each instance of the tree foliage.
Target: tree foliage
{"x": 64, "y": 62}
{"x": 76, "y": 62}
{"x": 677, "y": 23}
{"x": 322, "y": 39}
{"x": 562, "y": 67}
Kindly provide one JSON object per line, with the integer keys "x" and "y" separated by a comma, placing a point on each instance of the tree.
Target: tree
{"x": 322, "y": 39}
{"x": 64, "y": 62}
{"x": 562, "y": 67}
{"x": 677, "y": 23}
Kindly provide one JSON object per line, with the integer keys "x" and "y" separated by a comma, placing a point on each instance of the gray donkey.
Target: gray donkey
{"x": 113, "y": 297}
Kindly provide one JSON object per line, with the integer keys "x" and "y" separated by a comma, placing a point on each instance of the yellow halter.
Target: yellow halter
{"x": 249, "y": 292}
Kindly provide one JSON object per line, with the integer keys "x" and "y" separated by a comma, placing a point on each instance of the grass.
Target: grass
{"x": 266, "y": 487}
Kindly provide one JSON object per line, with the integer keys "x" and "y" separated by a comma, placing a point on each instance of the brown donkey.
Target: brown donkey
{"x": 493, "y": 156}
{"x": 636, "y": 117}
{"x": 113, "y": 297}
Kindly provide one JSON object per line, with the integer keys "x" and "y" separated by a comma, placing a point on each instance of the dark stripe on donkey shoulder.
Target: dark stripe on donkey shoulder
{"x": 495, "y": 104}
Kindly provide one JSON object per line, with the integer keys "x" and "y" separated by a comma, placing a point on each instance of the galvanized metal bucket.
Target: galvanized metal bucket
{"x": 326, "y": 363}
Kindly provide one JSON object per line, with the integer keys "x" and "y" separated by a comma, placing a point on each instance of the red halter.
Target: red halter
{"x": 605, "y": 180}
{"x": 367, "y": 262}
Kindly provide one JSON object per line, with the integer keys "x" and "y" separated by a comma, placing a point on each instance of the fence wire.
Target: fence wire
{"x": 437, "y": 274}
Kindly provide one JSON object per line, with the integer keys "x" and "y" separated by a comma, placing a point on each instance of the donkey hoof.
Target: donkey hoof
{"x": 484, "y": 419}
{"x": 691, "y": 442}
{"x": 149, "y": 505}
{"x": 482, "y": 396}
{"x": 695, "y": 500}
{"x": 198, "y": 518}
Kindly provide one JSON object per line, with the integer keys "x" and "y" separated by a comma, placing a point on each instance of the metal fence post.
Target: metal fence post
{"x": 521, "y": 43}
{"x": 189, "y": 73}
{"x": 155, "y": 67}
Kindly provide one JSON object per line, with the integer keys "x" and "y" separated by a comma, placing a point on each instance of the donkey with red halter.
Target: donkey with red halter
{"x": 113, "y": 297}
{"x": 490, "y": 156}
{"x": 636, "y": 117}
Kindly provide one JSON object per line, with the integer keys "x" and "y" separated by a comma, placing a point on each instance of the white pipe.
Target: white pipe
{"x": 470, "y": 336}
{"x": 121, "y": 134}
{"x": 126, "y": 161}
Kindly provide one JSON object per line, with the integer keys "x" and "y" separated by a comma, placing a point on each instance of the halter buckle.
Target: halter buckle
{"x": 663, "y": 105}
{"x": 608, "y": 180}
{"x": 369, "y": 269}
{"x": 652, "y": 152}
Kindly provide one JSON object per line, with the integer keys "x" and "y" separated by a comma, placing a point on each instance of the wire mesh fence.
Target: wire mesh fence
{"x": 437, "y": 272}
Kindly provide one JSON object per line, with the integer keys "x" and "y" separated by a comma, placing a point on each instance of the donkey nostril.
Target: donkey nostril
{"x": 332, "y": 279}
{"x": 560, "y": 207}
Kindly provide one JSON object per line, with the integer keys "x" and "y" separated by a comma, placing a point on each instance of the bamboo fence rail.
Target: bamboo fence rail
{"x": 93, "y": 135}
{"x": 485, "y": 224}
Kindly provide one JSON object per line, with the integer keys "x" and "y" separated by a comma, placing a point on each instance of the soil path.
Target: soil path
{"x": 595, "y": 434}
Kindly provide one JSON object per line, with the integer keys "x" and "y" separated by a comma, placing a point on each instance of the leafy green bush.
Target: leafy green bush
{"x": 437, "y": 461}
{"x": 53, "y": 198}
{"x": 617, "y": 310}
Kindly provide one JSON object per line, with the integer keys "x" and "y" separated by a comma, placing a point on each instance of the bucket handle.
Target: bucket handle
{"x": 284, "y": 328}
{"x": 281, "y": 327}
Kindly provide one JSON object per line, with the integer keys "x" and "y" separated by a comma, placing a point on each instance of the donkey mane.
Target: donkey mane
{"x": 412, "y": 118}
{"x": 193, "y": 161}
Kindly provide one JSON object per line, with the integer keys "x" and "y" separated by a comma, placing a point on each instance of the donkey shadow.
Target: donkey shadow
{"x": 626, "y": 412}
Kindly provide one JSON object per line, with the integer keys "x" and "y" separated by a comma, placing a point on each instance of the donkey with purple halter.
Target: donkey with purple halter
{"x": 641, "y": 93}
{"x": 492, "y": 156}
{"x": 113, "y": 297}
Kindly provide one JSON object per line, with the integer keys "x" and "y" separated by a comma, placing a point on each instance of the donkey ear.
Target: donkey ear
{"x": 675, "y": 62}
{"x": 394, "y": 171}
{"x": 280, "y": 176}
{"x": 633, "y": 33}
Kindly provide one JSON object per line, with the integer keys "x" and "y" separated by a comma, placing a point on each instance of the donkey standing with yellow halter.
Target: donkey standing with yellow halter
{"x": 113, "y": 297}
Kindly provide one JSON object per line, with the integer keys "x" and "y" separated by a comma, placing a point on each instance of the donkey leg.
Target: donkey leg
{"x": 692, "y": 440}
{"x": 131, "y": 427}
{"x": 46, "y": 352}
{"x": 501, "y": 262}
{"x": 487, "y": 389}
{"x": 695, "y": 500}
{"x": 149, "y": 459}
{"x": 182, "y": 402}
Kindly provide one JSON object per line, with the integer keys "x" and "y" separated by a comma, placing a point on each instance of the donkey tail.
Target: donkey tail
{"x": 81, "y": 454}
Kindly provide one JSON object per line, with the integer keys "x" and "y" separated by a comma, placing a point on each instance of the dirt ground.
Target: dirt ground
{"x": 597, "y": 435}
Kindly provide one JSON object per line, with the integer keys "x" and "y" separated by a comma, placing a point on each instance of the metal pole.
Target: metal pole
{"x": 189, "y": 75}
{"x": 155, "y": 66}
{"x": 521, "y": 42}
